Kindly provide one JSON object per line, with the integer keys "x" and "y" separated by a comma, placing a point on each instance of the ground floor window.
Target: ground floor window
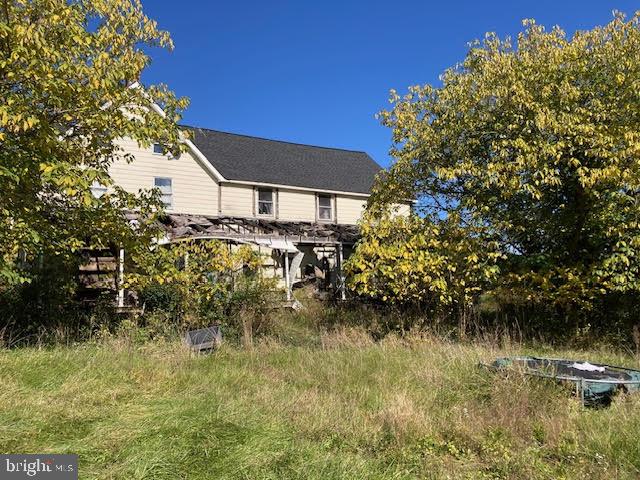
{"x": 97, "y": 189}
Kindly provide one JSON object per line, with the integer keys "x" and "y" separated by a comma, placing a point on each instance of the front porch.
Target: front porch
{"x": 296, "y": 252}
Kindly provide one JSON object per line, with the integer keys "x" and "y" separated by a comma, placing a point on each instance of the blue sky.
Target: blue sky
{"x": 316, "y": 72}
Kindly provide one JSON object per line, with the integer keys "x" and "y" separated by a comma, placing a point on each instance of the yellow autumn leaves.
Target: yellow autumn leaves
{"x": 526, "y": 165}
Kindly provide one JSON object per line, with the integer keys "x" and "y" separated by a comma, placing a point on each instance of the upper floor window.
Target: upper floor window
{"x": 325, "y": 208}
{"x": 160, "y": 148}
{"x": 165, "y": 185}
{"x": 266, "y": 202}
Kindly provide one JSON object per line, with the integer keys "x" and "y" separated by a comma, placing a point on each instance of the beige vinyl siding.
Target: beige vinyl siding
{"x": 402, "y": 209}
{"x": 350, "y": 208}
{"x": 194, "y": 189}
{"x": 297, "y": 205}
{"x": 294, "y": 205}
{"x": 237, "y": 200}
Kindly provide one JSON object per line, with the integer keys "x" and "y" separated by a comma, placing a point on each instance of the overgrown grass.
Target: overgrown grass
{"x": 339, "y": 406}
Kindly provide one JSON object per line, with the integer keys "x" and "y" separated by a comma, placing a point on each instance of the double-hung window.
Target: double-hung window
{"x": 325, "y": 208}
{"x": 165, "y": 185}
{"x": 266, "y": 203}
{"x": 157, "y": 149}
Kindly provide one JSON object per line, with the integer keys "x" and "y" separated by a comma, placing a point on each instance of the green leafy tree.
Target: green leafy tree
{"x": 531, "y": 146}
{"x": 414, "y": 260}
{"x": 66, "y": 73}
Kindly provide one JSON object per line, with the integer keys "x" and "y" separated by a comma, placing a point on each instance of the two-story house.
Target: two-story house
{"x": 299, "y": 204}
{"x": 224, "y": 174}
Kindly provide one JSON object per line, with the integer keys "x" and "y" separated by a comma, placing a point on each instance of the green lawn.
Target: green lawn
{"x": 350, "y": 409}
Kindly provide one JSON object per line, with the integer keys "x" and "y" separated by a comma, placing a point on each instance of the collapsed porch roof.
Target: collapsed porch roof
{"x": 184, "y": 226}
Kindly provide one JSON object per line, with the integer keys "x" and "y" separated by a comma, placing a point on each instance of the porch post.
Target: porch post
{"x": 287, "y": 281}
{"x": 121, "y": 278}
{"x": 341, "y": 286}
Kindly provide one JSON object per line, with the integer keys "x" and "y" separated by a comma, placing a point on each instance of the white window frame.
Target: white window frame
{"x": 161, "y": 153}
{"x": 273, "y": 202}
{"x": 324, "y": 207}
{"x": 97, "y": 189}
{"x": 166, "y": 191}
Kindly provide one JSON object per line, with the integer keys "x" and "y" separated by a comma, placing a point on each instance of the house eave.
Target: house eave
{"x": 200, "y": 157}
{"x": 294, "y": 187}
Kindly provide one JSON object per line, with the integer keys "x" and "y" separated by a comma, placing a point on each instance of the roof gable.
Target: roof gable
{"x": 259, "y": 160}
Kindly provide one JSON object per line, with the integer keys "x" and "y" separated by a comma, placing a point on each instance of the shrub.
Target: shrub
{"x": 249, "y": 307}
{"x": 45, "y": 302}
{"x": 167, "y": 298}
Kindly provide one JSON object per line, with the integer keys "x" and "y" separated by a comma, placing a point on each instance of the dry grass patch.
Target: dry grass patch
{"x": 406, "y": 407}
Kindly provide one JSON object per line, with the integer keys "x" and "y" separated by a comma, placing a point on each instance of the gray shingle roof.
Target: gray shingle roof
{"x": 253, "y": 159}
